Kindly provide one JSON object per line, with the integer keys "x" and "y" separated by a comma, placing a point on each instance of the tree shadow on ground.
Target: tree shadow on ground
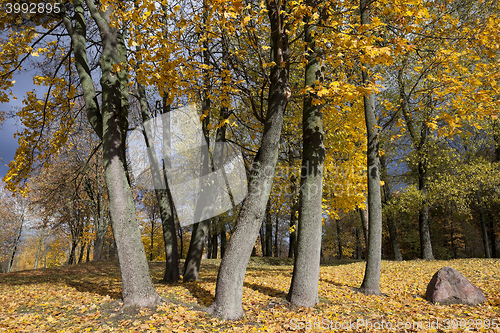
{"x": 203, "y": 296}
{"x": 337, "y": 284}
{"x": 269, "y": 291}
{"x": 102, "y": 278}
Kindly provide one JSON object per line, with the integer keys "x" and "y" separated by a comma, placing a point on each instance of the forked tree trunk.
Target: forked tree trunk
{"x": 304, "y": 286}
{"x": 137, "y": 285}
{"x": 371, "y": 281}
{"x": 229, "y": 289}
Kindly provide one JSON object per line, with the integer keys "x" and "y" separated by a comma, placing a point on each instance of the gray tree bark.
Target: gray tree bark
{"x": 304, "y": 286}
{"x": 229, "y": 289}
{"x": 137, "y": 286}
{"x": 371, "y": 279}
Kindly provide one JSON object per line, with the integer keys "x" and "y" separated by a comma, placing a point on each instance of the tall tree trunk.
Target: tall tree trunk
{"x": 102, "y": 227}
{"x": 371, "y": 280}
{"x": 269, "y": 230}
{"x": 292, "y": 244}
{"x": 276, "y": 230}
{"x": 166, "y": 204}
{"x": 358, "y": 243}
{"x": 493, "y": 240}
{"x": 111, "y": 126}
{"x": 420, "y": 142}
{"x": 102, "y": 224}
{"x": 484, "y": 228}
{"x": 262, "y": 240}
{"x": 363, "y": 213}
{"x": 162, "y": 189}
{"x": 229, "y": 289}
{"x": 87, "y": 259}
{"x": 223, "y": 239}
{"x": 71, "y": 259}
{"x": 209, "y": 246}
{"x": 339, "y": 241}
{"x": 82, "y": 251}
{"x": 423, "y": 217}
{"x": 137, "y": 285}
{"x": 200, "y": 230}
{"x": 304, "y": 286}
{"x": 215, "y": 244}
{"x": 393, "y": 233}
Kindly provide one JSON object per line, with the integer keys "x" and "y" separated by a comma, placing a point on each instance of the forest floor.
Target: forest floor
{"x": 86, "y": 298}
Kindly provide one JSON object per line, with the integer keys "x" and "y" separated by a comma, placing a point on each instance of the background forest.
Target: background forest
{"x": 391, "y": 107}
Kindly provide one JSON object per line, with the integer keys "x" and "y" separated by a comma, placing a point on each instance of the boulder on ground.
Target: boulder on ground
{"x": 449, "y": 286}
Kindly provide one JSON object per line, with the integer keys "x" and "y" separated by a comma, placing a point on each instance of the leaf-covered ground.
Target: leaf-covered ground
{"x": 86, "y": 297}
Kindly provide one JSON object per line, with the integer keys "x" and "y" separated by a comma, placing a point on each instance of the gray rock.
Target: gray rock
{"x": 449, "y": 286}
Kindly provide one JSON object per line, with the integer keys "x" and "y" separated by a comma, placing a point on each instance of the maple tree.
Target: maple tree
{"x": 412, "y": 76}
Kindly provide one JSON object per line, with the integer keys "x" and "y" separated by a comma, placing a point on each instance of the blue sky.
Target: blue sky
{"x": 8, "y": 144}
